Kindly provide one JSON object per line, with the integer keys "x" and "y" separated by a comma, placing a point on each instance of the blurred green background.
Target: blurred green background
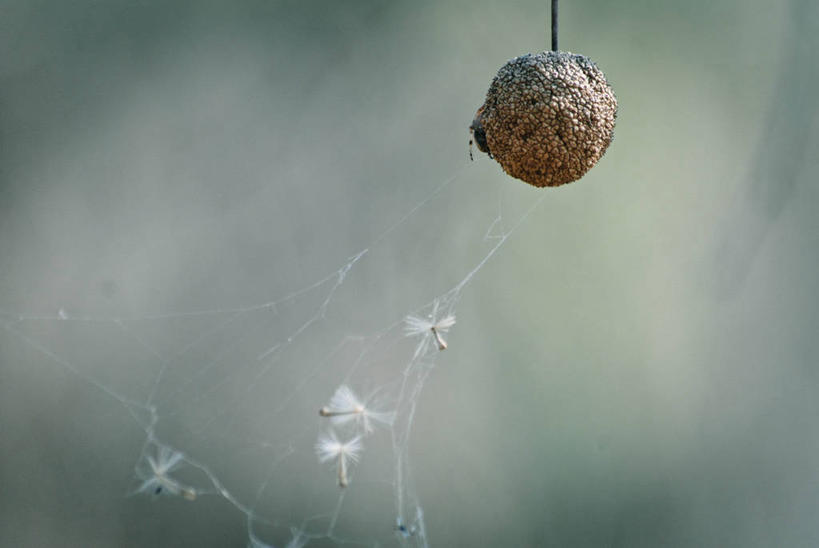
{"x": 636, "y": 366}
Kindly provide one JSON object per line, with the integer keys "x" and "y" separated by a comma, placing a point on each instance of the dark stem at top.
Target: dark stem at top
{"x": 554, "y": 25}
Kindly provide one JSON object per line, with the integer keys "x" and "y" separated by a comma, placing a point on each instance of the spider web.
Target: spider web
{"x": 227, "y": 397}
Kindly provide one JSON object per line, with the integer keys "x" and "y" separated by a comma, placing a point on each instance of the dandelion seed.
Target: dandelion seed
{"x": 329, "y": 447}
{"x": 156, "y": 479}
{"x": 429, "y": 329}
{"x": 345, "y": 407}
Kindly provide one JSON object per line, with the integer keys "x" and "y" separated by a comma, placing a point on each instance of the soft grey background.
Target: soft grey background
{"x": 637, "y": 366}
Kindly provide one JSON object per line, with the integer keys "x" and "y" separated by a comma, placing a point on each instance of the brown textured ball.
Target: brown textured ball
{"x": 548, "y": 117}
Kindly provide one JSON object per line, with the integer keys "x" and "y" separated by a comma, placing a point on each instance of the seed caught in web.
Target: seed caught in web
{"x": 346, "y": 407}
{"x": 428, "y": 329}
{"x": 329, "y": 447}
{"x": 156, "y": 477}
{"x": 547, "y": 119}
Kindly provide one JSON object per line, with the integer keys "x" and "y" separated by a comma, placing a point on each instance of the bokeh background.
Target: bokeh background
{"x": 635, "y": 366}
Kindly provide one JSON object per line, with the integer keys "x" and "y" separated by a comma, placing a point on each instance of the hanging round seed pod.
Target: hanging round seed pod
{"x": 548, "y": 117}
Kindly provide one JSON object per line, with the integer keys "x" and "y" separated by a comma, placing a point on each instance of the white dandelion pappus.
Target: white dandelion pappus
{"x": 429, "y": 329}
{"x": 328, "y": 447}
{"x": 156, "y": 479}
{"x": 345, "y": 407}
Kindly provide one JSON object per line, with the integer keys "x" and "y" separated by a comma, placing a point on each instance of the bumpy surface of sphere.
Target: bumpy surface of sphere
{"x": 548, "y": 117}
